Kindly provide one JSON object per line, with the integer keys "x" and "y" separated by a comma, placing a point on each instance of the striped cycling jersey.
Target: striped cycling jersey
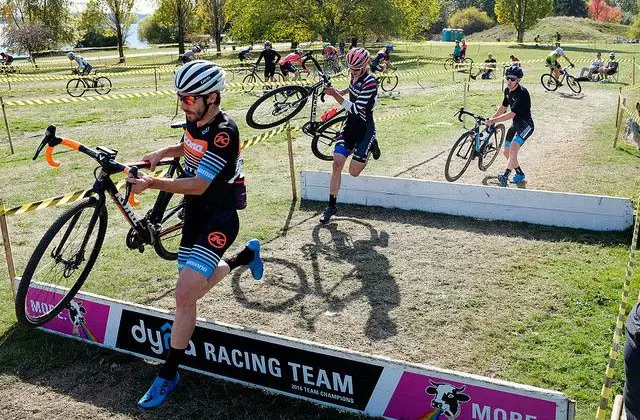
{"x": 211, "y": 152}
{"x": 362, "y": 95}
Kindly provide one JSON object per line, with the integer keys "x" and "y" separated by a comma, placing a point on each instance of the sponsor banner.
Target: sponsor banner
{"x": 322, "y": 377}
{"x": 83, "y": 318}
{"x": 420, "y": 396}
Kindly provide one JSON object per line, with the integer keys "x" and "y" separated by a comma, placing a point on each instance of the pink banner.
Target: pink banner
{"x": 83, "y": 318}
{"x": 420, "y": 397}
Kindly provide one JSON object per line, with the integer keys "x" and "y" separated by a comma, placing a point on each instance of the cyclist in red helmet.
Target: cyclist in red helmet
{"x": 358, "y": 136}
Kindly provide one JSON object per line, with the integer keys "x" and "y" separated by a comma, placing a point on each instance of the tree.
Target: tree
{"x": 599, "y": 10}
{"x": 470, "y": 20}
{"x": 28, "y": 37}
{"x": 571, "y": 8}
{"x": 38, "y": 15}
{"x": 212, "y": 18}
{"x": 162, "y": 26}
{"x": 95, "y": 31}
{"x": 120, "y": 18}
{"x": 522, "y": 14}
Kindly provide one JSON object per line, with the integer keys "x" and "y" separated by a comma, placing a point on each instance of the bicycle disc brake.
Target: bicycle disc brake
{"x": 309, "y": 128}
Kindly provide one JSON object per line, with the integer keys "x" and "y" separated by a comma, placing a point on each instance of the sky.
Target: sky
{"x": 144, "y": 7}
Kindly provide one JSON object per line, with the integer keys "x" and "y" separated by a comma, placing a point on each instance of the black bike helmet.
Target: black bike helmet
{"x": 514, "y": 71}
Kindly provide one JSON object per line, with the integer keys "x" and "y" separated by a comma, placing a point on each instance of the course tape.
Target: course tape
{"x": 112, "y": 96}
{"x": 615, "y": 350}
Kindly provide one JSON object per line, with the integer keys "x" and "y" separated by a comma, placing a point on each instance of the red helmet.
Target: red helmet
{"x": 358, "y": 58}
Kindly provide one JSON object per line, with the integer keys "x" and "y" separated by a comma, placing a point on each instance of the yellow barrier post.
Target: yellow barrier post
{"x": 7, "y": 246}
{"x": 619, "y": 119}
{"x": 292, "y": 171}
{"x": 6, "y": 124}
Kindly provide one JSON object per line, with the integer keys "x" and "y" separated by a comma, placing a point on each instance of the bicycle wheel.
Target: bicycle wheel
{"x": 103, "y": 85}
{"x": 389, "y": 82}
{"x": 573, "y": 84}
{"x": 325, "y": 137}
{"x": 167, "y": 242}
{"x": 468, "y": 64}
{"x": 489, "y": 151}
{"x": 459, "y": 157}
{"x": 60, "y": 263}
{"x": 277, "y": 107}
{"x": 248, "y": 83}
{"x": 449, "y": 63}
{"x": 76, "y": 87}
{"x": 549, "y": 82}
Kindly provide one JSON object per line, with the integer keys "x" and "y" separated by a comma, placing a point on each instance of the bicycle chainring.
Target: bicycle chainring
{"x": 134, "y": 241}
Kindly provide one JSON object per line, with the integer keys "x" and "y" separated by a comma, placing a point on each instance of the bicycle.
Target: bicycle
{"x": 387, "y": 79}
{"x": 550, "y": 83}
{"x": 285, "y": 102}
{"x": 335, "y": 67}
{"x": 474, "y": 143}
{"x": 464, "y": 64}
{"x": 8, "y": 68}
{"x": 249, "y": 82}
{"x": 79, "y": 85}
{"x": 65, "y": 255}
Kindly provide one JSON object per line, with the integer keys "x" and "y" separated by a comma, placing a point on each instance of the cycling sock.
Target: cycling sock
{"x": 170, "y": 367}
{"x": 332, "y": 200}
{"x": 519, "y": 171}
{"x": 243, "y": 257}
{"x": 507, "y": 172}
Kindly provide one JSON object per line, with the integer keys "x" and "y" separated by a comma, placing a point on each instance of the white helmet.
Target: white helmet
{"x": 71, "y": 55}
{"x": 199, "y": 77}
{"x": 559, "y": 51}
{"x": 612, "y": 55}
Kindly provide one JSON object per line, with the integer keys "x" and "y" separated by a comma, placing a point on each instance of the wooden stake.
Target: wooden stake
{"x": 615, "y": 139}
{"x": 6, "y": 124}
{"x": 6, "y": 240}
{"x": 292, "y": 171}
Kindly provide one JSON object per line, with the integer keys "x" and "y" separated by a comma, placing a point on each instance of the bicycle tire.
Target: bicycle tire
{"x": 574, "y": 84}
{"x": 76, "y": 87}
{"x": 490, "y": 150}
{"x": 167, "y": 242}
{"x": 468, "y": 62}
{"x": 448, "y": 64}
{"x": 467, "y": 137}
{"x": 41, "y": 251}
{"x": 103, "y": 85}
{"x": 389, "y": 82}
{"x": 247, "y": 83}
{"x": 325, "y": 136}
{"x": 548, "y": 82}
{"x": 276, "y": 101}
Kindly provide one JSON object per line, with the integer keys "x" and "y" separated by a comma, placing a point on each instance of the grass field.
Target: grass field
{"x": 531, "y": 304}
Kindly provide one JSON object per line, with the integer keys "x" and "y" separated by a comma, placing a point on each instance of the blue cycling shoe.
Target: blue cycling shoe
{"x": 256, "y": 266}
{"x": 158, "y": 393}
{"x": 518, "y": 178}
{"x": 503, "y": 180}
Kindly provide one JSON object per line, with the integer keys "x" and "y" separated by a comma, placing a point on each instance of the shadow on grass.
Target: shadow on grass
{"x": 40, "y": 370}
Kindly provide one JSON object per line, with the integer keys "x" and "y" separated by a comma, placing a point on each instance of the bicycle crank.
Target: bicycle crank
{"x": 134, "y": 241}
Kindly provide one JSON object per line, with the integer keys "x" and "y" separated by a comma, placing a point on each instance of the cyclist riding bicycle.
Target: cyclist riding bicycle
{"x": 213, "y": 192}
{"x": 287, "y": 64}
{"x": 457, "y": 52}
{"x": 358, "y": 136}
{"x": 552, "y": 62}
{"x": 518, "y": 99}
{"x": 245, "y": 54}
{"x": 271, "y": 58}
{"x": 84, "y": 68}
{"x": 191, "y": 55}
{"x": 6, "y": 58}
{"x": 382, "y": 59}
{"x": 330, "y": 53}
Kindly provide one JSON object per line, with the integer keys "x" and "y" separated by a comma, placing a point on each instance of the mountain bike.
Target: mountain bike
{"x": 68, "y": 250}
{"x": 464, "y": 64}
{"x": 79, "y": 85}
{"x": 550, "y": 83}
{"x": 283, "y": 103}
{"x": 484, "y": 144}
{"x": 249, "y": 82}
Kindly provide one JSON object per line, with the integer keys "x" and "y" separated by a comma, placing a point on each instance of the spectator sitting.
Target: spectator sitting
{"x": 486, "y": 69}
{"x": 610, "y": 69}
{"x": 593, "y": 68}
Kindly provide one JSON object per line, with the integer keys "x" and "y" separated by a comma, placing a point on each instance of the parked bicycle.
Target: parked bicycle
{"x": 249, "y": 82}
{"x": 485, "y": 144}
{"x": 283, "y": 103}
{"x": 68, "y": 250}
{"x": 550, "y": 83}
{"x": 464, "y": 64}
{"x": 79, "y": 85}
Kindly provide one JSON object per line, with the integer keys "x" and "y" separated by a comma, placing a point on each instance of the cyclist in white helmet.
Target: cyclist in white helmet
{"x": 552, "y": 62}
{"x": 84, "y": 68}
{"x": 213, "y": 190}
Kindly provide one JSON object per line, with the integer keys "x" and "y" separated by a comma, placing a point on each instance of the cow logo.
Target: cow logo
{"x": 222, "y": 140}
{"x": 77, "y": 318}
{"x": 217, "y": 239}
{"x": 447, "y": 398}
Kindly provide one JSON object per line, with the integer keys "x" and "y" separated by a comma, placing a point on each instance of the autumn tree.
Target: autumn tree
{"x": 599, "y": 10}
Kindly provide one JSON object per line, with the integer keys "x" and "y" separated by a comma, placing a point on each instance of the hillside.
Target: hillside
{"x": 571, "y": 29}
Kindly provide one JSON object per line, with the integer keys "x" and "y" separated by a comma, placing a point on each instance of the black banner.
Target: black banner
{"x": 317, "y": 376}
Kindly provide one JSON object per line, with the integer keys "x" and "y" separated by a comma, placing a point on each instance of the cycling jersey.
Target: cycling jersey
{"x": 330, "y": 52}
{"x": 362, "y": 95}
{"x": 457, "y": 51}
{"x": 188, "y": 56}
{"x": 83, "y": 65}
{"x": 293, "y": 58}
{"x": 270, "y": 56}
{"x": 382, "y": 55}
{"x": 522, "y": 126}
{"x": 244, "y": 53}
{"x": 7, "y": 59}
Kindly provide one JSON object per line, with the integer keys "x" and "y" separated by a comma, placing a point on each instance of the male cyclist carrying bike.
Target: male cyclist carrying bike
{"x": 287, "y": 64}
{"x": 552, "y": 62}
{"x": 211, "y": 149}
{"x": 359, "y": 133}
{"x": 517, "y": 98}
{"x": 271, "y": 58}
{"x": 84, "y": 68}
{"x": 382, "y": 59}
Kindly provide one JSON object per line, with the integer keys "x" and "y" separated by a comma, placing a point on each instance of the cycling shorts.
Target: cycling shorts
{"x": 519, "y": 134}
{"x": 287, "y": 68}
{"x": 269, "y": 69}
{"x": 375, "y": 66}
{"x": 206, "y": 236}
{"x": 356, "y": 138}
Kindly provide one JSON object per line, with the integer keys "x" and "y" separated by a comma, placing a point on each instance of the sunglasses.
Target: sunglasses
{"x": 189, "y": 100}
{"x": 512, "y": 78}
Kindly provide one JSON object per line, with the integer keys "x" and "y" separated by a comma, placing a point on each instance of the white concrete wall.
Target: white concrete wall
{"x": 487, "y": 202}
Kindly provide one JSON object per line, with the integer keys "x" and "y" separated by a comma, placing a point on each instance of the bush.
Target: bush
{"x": 96, "y": 38}
{"x": 154, "y": 33}
{"x": 470, "y": 20}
